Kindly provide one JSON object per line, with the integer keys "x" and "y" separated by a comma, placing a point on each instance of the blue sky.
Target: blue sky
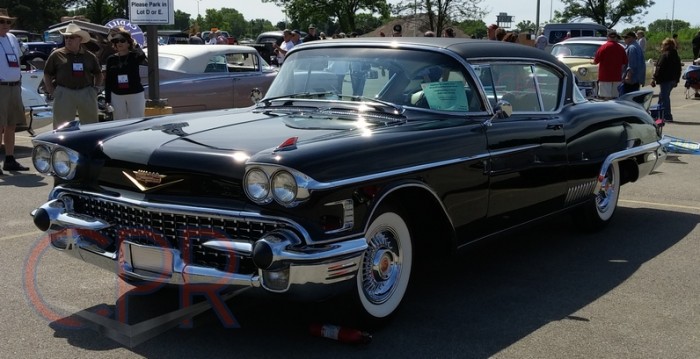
{"x": 521, "y": 9}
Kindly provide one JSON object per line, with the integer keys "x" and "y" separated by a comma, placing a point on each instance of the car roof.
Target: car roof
{"x": 470, "y": 49}
{"x": 193, "y": 58}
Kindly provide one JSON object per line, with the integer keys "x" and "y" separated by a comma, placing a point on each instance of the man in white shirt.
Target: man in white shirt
{"x": 11, "y": 106}
{"x": 286, "y": 45}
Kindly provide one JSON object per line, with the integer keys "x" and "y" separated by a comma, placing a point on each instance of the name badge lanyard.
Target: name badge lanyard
{"x": 11, "y": 57}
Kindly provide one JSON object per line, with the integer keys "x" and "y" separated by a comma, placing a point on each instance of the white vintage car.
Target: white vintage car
{"x": 39, "y": 111}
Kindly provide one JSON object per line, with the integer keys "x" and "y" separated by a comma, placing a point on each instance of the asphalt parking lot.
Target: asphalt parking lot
{"x": 631, "y": 291}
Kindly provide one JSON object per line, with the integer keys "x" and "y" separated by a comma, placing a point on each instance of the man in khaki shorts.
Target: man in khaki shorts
{"x": 11, "y": 107}
{"x": 76, "y": 72}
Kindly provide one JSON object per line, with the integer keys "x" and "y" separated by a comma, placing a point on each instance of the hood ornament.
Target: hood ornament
{"x": 148, "y": 181}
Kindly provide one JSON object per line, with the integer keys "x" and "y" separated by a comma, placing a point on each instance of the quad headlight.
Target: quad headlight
{"x": 264, "y": 184}
{"x": 257, "y": 186}
{"x": 284, "y": 187}
{"x": 50, "y": 158}
{"x": 41, "y": 158}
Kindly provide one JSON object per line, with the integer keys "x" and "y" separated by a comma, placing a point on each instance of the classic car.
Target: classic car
{"x": 365, "y": 158}
{"x": 194, "y": 78}
{"x": 577, "y": 53}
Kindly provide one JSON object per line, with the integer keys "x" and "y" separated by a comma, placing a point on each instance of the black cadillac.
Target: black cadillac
{"x": 365, "y": 156}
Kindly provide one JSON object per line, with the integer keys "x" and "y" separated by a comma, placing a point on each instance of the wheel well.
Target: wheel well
{"x": 433, "y": 233}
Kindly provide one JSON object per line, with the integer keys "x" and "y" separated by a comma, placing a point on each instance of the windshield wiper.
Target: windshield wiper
{"x": 398, "y": 109}
{"x": 319, "y": 94}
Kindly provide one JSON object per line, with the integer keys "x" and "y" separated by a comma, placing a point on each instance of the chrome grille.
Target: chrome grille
{"x": 186, "y": 232}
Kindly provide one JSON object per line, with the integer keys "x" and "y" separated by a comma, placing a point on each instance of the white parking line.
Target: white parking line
{"x": 656, "y": 204}
{"x": 7, "y": 238}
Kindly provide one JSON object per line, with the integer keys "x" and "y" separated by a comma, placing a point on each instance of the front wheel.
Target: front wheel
{"x": 597, "y": 214}
{"x": 385, "y": 268}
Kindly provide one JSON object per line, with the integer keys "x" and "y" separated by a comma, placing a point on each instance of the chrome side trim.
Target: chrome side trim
{"x": 315, "y": 185}
{"x": 580, "y": 191}
{"x": 655, "y": 149}
{"x": 348, "y": 215}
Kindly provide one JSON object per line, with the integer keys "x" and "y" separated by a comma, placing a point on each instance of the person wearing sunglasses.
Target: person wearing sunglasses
{"x": 11, "y": 107}
{"x": 123, "y": 88}
{"x": 71, "y": 75}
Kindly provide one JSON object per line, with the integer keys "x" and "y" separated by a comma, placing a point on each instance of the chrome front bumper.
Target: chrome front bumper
{"x": 284, "y": 263}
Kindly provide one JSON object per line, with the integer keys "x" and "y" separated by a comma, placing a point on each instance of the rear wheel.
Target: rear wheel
{"x": 597, "y": 214}
{"x": 385, "y": 268}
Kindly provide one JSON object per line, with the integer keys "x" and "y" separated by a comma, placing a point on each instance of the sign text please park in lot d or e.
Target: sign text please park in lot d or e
{"x": 158, "y": 12}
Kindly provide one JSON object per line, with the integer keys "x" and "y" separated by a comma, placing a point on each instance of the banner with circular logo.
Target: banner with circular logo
{"x": 132, "y": 28}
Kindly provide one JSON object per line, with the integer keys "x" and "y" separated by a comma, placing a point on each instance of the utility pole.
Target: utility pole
{"x": 537, "y": 19}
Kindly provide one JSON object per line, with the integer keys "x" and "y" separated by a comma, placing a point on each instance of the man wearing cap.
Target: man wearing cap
{"x": 70, "y": 76}
{"x": 296, "y": 37}
{"x": 397, "y": 31}
{"x": 635, "y": 72}
{"x": 311, "y": 35}
{"x": 11, "y": 107}
{"x": 610, "y": 58}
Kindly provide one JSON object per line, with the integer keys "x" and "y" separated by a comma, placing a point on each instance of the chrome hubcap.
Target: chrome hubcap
{"x": 382, "y": 267}
{"x": 606, "y": 193}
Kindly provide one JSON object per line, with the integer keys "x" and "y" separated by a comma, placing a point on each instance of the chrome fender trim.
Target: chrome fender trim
{"x": 655, "y": 149}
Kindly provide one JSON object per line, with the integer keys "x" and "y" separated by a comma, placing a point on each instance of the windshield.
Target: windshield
{"x": 401, "y": 77}
{"x": 575, "y": 50}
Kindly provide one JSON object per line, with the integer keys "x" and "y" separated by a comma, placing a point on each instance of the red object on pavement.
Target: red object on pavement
{"x": 341, "y": 334}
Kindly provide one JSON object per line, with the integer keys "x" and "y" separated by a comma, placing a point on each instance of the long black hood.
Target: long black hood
{"x": 215, "y": 142}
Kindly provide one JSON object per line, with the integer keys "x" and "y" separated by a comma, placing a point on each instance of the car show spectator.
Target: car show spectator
{"x": 195, "y": 39}
{"x": 123, "y": 88}
{"x": 667, "y": 75}
{"x": 610, "y": 58}
{"x": 71, "y": 75}
{"x": 11, "y": 107}
{"x": 541, "y": 41}
{"x": 311, "y": 35}
{"x": 397, "y": 30}
{"x": 286, "y": 45}
{"x": 448, "y": 32}
{"x": 642, "y": 40}
{"x": 696, "y": 46}
{"x": 635, "y": 72}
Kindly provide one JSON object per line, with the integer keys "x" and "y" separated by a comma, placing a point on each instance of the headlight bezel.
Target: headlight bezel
{"x": 284, "y": 187}
{"x": 45, "y": 158}
{"x": 68, "y": 165}
{"x": 264, "y": 186}
{"x": 293, "y": 187}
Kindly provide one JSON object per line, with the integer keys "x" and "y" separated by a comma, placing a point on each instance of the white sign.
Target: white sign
{"x": 157, "y": 12}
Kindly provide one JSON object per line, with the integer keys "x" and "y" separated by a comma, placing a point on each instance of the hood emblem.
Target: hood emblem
{"x": 148, "y": 181}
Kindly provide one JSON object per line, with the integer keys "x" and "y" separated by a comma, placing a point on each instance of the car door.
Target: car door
{"x": 528, "y": 155}
{"x": 246, "y": 74}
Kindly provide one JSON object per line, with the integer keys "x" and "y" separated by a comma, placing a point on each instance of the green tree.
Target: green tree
{"x": 35, "y": 15}
{"x": 440, "y": 14}
{"x": 604, "y": 12}
{"x": 667, "y": 26}
{"x": 344, "y": 12}
{"x": 365, "y": 23}
{"x": 526, "y": 26}
{"x": 476, "y": 28}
